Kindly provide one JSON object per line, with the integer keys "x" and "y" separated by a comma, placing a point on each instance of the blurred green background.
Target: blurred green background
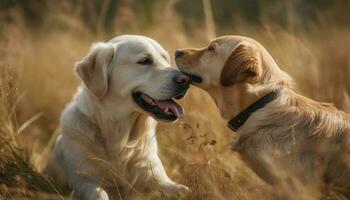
{"x": 40, "y": 40}
{"x": 292, "y": 14}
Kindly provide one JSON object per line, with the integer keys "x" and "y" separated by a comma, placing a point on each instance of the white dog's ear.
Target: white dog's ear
{"x": 243, "y": 65}
{"x": 93, "y": 69}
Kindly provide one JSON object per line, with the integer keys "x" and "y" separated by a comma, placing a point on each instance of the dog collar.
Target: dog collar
{"x": 236, "y": 122}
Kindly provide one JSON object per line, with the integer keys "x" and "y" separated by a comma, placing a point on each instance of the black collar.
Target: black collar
{"x": 236, "y": 122}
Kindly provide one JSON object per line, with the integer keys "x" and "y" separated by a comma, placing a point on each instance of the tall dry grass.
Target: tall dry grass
{"x": 37, "y": 81}
{"x": 18, "y": 177}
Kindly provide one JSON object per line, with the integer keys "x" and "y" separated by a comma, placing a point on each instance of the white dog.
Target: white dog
{"x": 108, "y": 135}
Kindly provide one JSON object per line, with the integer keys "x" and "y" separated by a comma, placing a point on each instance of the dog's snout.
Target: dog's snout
{"x": 179, "y": 53}
{"x": 182, "y": 80}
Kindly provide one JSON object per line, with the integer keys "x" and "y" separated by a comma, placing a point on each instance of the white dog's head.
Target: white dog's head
{"x": 135, "y": 71}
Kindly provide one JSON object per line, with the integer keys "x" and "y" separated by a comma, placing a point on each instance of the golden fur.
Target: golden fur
{"x": 294, "y": 143}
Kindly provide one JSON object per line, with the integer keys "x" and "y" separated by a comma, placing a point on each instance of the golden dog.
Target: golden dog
{"x": 294, "y": 143}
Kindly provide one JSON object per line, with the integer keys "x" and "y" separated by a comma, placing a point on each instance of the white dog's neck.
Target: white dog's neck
{"x": 116, "y": 123}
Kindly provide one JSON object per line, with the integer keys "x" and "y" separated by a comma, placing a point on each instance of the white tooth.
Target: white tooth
{"x": 148, "y": 100}
{"x": 166, "y": 110}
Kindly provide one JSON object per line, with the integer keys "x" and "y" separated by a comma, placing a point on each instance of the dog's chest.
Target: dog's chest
{"x": 128, "y": 163}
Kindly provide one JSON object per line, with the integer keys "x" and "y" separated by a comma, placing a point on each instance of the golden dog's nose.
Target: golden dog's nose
{"x": 179, "y": 53}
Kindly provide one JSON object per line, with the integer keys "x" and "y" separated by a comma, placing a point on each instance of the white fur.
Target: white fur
{"x": 107, "y": 140}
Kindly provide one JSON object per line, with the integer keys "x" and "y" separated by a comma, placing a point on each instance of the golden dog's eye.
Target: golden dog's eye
{"x": 145, "y": 61}
{"x": 211, "y": 48}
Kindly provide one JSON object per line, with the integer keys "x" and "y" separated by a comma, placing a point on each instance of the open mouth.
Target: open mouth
{"x": 167, "y": 110}
{"x": 194, "y": 78}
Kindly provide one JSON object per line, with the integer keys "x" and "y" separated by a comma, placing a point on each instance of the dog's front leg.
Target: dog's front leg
{"x": 168, "y": 187}
{"x": 84, "y": 187}
{"x": 88, "y": 190}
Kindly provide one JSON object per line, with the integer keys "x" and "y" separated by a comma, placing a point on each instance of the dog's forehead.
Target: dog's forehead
{"x": 228, "y": 43}
{"x": 136, "y": 46}
{"x": 226, "y": 40}
{"x": 139, "y": 44}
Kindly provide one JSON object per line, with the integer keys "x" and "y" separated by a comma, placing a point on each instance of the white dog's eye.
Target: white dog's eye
{"x": 145, "y": 61}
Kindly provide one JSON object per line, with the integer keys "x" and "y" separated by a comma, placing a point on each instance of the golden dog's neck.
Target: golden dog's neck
{"x": 234, "y": 99}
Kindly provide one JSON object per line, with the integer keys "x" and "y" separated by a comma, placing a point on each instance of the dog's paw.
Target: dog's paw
{"x": 98, "y": 194}
{"x": 174, "y": 190}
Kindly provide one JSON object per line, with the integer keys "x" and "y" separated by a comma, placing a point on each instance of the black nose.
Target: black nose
{"x": 179, "y": 53}
{"x": 182, "y": 80}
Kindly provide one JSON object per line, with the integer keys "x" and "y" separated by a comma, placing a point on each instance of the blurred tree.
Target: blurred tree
{"x": 32, "y": 10}
{"x": 100, "y": 15}
{"x": 257, "y": 12}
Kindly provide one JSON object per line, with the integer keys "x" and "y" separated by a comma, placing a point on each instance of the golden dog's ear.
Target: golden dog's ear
{"x": 93, "y": 69}
{"x": 243, "y": 65}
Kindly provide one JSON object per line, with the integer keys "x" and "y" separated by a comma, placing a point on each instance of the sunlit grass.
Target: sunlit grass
{"x": 37, "y": 80}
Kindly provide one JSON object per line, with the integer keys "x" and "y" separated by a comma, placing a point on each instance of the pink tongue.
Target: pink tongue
{"x": 174, "y": 107}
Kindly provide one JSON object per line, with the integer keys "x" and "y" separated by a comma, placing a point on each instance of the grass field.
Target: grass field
{"x": 37, "y": 81}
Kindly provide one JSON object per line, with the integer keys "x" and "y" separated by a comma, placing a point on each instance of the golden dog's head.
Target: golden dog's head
{"x": 227, "y": 61}
{"x": 133, "y": 73}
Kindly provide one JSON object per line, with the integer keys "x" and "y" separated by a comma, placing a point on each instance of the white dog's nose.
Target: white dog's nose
{"x": 182, "y": 80}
